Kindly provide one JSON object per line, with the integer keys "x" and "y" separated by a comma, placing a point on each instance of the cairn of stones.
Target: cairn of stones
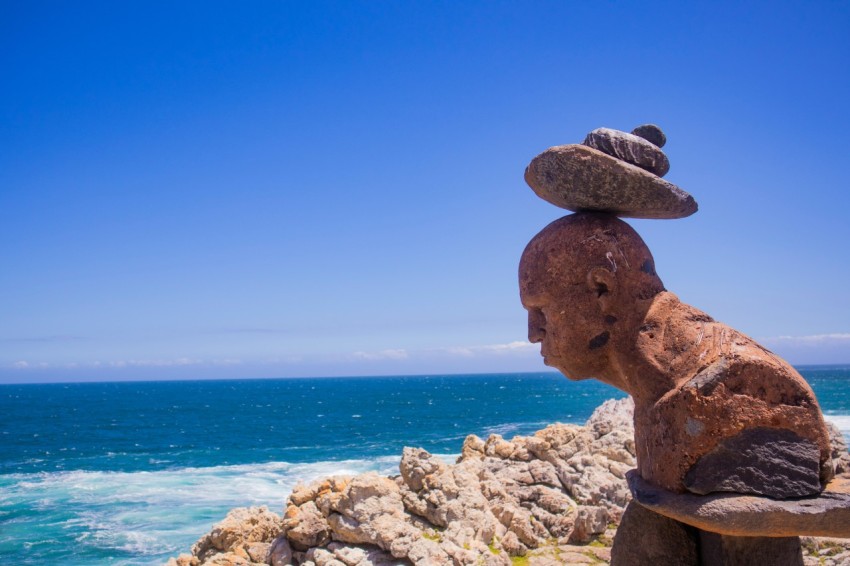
{"x": 733, "y": 455}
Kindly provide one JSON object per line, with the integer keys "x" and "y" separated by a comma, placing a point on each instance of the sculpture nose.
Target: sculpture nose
{"x": 536, "y": 326}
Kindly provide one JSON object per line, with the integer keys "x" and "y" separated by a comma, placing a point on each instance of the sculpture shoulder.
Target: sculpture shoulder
{"x": 744, "y": 368}
{"x": 730, "y": 410}
{"x": 697, "y": 352}
{"x": 737, "y": 420}
{"x": 747, "y": 377}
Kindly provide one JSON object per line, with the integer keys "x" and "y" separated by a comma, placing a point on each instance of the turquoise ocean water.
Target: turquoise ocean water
{"x": 132, "y": 473}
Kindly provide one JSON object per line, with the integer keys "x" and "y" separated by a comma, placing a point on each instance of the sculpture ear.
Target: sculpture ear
{"x": 602, "y": 282}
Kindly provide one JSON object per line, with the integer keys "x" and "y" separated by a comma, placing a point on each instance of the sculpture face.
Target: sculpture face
{"x": 558, "y": 319}
{"x": 599, "y": 310}
{"x": 581, "y": 280}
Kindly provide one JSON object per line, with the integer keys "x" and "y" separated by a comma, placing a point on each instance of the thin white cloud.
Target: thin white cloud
{"x": 118, "y": 364}
{"x": 459, "y": 351}
{"x": 515, "y": 347}
{"x": 392, "y": 354}
{"x": 177, "y": 362}
{"x": 154, "y": 363}
{"x": 25, "y": 365}
{"x": 812, "y": 339}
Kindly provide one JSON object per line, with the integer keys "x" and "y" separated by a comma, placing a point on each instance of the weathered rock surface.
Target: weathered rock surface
{"x": 644, "y": 537}
{"x": 651, "y": 133}
{"x": 726, "y": 550}
{"x": 762, "y": 461}
{"x": 580, "y": 178}
{"x": 244, "y": 537}
{"x": 725, "y": 383}
{"x": 827, "y": 514}
{"x": 562, "y": 486}
{"x": 543, "y": 497}
{"x": 825, "y": 552}
{"x": 630, "y": 148}
{"x": 840, "y": 454}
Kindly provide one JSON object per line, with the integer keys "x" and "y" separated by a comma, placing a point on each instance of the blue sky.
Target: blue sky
{"x": 211, "y": 189}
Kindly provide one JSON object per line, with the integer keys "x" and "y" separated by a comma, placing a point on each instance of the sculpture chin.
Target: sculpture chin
{"x": 571, "y": 375}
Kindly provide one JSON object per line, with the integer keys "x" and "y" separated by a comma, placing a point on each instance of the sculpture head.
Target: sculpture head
{"x": 586, "y": 281}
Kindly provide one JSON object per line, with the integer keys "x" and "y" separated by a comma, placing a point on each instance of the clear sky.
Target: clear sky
{"x": 258, "y": 189}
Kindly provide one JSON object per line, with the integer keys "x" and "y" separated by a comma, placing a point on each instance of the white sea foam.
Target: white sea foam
{"x": 502, "y": 429}
{"x": 512, "y": 428}
{"x": 842, "y": 422}
{"x": 144, "y": 517}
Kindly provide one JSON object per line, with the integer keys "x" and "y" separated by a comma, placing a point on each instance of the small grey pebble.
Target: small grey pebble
{"x": 651, "y": 133}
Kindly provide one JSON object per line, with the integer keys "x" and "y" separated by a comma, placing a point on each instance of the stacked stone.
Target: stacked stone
{"x": 611, "y": 171}
{"x": 635, "y": 148}
{"x": 748, "y": 499}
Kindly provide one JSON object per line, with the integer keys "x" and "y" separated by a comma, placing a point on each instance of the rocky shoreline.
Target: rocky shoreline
{"x": 552, "y": 498}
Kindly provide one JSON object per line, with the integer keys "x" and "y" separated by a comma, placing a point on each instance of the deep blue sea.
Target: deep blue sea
{"x": 132, "y": 473}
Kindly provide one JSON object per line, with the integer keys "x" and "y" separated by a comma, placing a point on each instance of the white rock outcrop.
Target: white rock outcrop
{"x": 502, "y": 498}
{"x": 542, "y": 496}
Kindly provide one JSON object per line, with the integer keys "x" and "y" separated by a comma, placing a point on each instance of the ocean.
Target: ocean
{"x": 132, "y": 473}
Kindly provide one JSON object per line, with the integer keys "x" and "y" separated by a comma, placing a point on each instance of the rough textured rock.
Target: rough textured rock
{"x": 652, "y": 134}
{"x": 580, "y": 178}
{"x": 564, "y": 485}
{"x": 306, "y": 526}
{"x": 542, "y": 497}
{"x": 645, "y": 538}
{"x": 840, "y": 454}
{"x": 825, "y": 551}
{"x": 338, "y": 554}
{"x": 629, "y": 148}
{"x": 239, "y": 532}
{"x": 762, "y": 461}
{"x": 721, "y": 384}
{"x": 183, "y": 560}
{"x": 733, "y": 551}
{"x": 827, "y": 514}
{"x": 280, "y": 553}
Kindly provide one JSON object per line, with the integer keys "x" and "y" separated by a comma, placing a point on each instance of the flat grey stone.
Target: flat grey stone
{"x": 577, "y": 177}
{"x": 763, "y": 461}
{"x": 630, "y": 148}
{"x": 651, "y": 133}
{"x": 826, "y": 515}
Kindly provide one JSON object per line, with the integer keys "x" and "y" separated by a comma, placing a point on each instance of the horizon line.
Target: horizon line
{"x": 841, "y": 366}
